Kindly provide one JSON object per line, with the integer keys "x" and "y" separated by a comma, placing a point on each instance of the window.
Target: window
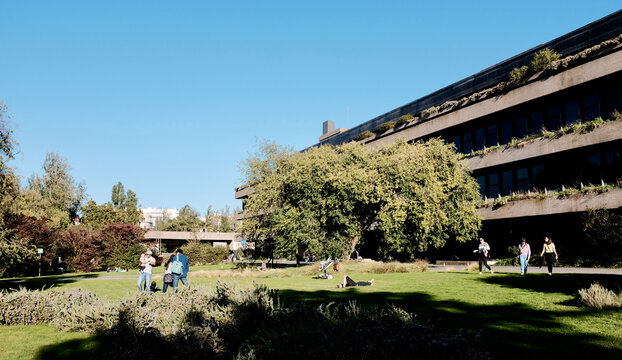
{"x": 590, "y": 169}
{"x": 481, "y": 181}
{"x": 537, "y": 177}
{"x": 521, "y": 127}
{"x": 492, "y": 137}
{"x": 522, "y": 180}
{"x": 493, "y": 185}
{"x": 609, "y": 102}
{"x": 456, "y": 141}
{"x": 590, "y": 108}
{"x": 506, "y": 132}
{"x": 508, "y": 182}
{"x": 479, "y": 139}
{"x": 536, "y": 122}
{"x": 467, "y": 143}
{"x": 553, "y": 118}
{"x": 571, "y": 112}
{"x": 612, "y": 166}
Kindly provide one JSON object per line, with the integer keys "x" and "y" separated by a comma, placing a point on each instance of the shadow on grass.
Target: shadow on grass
{"x": 512, "y": 330}
{"x": 568, "y": 284}
{"x": 44, "y": 282}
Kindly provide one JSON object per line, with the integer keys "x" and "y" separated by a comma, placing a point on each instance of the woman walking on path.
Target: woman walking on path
{"x": 548, "y": 250}
{"x": 482, "y": 252}
{"x": 524, "y": 253}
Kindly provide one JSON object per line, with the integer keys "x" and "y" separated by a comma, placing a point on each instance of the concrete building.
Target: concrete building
{"x": 168, "y": 241}
{"x": 484, "y": 115}
{"x": 151, "y": 216}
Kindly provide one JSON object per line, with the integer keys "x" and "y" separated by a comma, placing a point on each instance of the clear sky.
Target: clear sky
{"x": 169, "y": 97}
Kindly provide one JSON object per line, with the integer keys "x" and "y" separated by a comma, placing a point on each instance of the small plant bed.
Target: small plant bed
{"x": 516, "y": 143}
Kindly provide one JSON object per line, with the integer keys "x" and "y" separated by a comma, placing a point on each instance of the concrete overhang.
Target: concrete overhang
{"x": 610, "y": 199}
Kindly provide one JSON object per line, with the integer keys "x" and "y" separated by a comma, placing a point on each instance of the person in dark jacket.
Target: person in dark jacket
{"x": 183, "y": 276}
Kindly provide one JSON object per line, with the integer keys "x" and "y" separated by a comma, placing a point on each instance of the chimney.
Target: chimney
{"x": 328, "y": 126}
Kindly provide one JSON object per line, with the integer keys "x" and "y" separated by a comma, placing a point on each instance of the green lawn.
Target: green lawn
{"x": 515, "y": 315}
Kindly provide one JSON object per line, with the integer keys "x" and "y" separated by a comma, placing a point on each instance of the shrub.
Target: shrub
{"x": 598, "y": 297}
{"x": 397, "y": 267}
{"x": 387, "y": 126}
{"x": 543, "y": 59}
{"x": 404, "y": 119}
{"x": 121, "y": 245}
{"x": 202, "y": 253}
{"x": 364, "y": 135}
{"x": 518, "y": 75}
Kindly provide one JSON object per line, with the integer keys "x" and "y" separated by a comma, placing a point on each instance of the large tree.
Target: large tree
{"x": 118, "y": 196}
{"x": 327, "y": 198}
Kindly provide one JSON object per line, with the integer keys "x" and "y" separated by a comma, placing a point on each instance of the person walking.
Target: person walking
{"x": 548, "y": 251}
{"x": 482, "y": 252}
{"x": 524, "y": 253}
{"x": 179, "y": 269}
{"x": 146, "y": 263}
{"x": 168, "y": 276}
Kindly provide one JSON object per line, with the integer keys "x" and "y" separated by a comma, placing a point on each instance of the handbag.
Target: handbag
{"x": 168, "y": 278}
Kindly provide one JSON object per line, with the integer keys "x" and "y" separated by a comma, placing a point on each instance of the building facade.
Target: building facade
{"x": 544, "y": 148}
{"x": 151, "y": 216}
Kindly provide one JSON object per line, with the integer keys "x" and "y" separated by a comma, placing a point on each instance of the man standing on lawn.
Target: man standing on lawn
{"x": 146, "y": 263}
{"x": 182, "y": 274}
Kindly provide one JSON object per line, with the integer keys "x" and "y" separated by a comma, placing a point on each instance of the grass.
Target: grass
{"x": 516, "y": 315}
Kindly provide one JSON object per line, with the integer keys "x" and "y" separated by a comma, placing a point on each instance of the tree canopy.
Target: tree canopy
{"x": 328, "y": 198}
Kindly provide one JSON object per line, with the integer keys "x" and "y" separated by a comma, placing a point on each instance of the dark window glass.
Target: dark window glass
{"x": 609, "y": 102}
{"x": 492, "y": 137}
{"x": 590, "y": 108}
{"x": 493, "y": 185}
{"x": 535, "y": 122}
{"x": 537, "y": 177}
{"x": 481, "y": 181}
{"x": 506, "y": 132}
{"x": 508, "y": 182}
{"x": 612, "y": 166}
{"x": 571, "y": 112}
{"x": 522, "y": 180}
{"x": 479, "y": 139}
{"x": 456, "y": 141}
{"x": 467, "y": 144}
{"x": 553, "y": 118}
{"x": 590, "y": 169}
{"x": 521, "y": 127}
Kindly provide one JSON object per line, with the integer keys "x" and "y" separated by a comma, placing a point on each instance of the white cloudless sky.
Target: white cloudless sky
{"x": 169, "y": 97}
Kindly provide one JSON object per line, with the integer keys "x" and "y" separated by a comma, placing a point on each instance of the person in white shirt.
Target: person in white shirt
{"x": 147, "y": 262}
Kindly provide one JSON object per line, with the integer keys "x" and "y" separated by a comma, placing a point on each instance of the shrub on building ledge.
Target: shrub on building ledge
{"x": 386, "y": 126}
{"x": 404, "y": 119}
{"x": 364, "y": 135}
{"x": 543, "y": 59}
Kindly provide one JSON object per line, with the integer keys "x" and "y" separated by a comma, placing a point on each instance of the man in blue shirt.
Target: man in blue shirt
{"x": 179, "y": 256}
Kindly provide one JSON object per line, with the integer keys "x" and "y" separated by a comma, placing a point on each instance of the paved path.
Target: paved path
{"x": 533, "y": 269}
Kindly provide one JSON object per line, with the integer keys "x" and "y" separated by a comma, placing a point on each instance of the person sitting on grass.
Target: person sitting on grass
{"x": 347, "y": 281}
{"x": 153, "y": 287}
{"x": 262, "y": 267}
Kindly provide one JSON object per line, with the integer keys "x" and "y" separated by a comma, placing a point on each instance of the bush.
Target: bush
{"x": 387, "y": 126}
{"x": 203, "y": 254}
{"x": 599, "y": 297}
{"x": 404, "y": 119}
{"x": 225, "y": 322}
{"x": 397, "y": 267}
{"x": 364, "y": 135}
{"x": 518, "y": 75}
{"x": 543, "y": 59}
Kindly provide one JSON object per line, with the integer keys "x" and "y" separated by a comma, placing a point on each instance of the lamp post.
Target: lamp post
{"x": 40, "y": 251}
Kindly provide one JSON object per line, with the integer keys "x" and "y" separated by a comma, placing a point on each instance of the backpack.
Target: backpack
{"x": 177, "y": 267}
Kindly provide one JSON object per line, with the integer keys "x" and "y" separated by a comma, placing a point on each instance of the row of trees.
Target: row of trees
{"x": 40, "y": 214}
{"x": 402, "y": 199}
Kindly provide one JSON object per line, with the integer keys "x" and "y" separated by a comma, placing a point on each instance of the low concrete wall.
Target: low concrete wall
{"x": 611, "y": 199}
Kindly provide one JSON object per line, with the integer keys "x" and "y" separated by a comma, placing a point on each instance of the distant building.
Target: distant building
{"x": 151, "y": 216}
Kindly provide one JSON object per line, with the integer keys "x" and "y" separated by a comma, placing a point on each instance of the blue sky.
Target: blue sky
{"x": 169, "y": 97}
